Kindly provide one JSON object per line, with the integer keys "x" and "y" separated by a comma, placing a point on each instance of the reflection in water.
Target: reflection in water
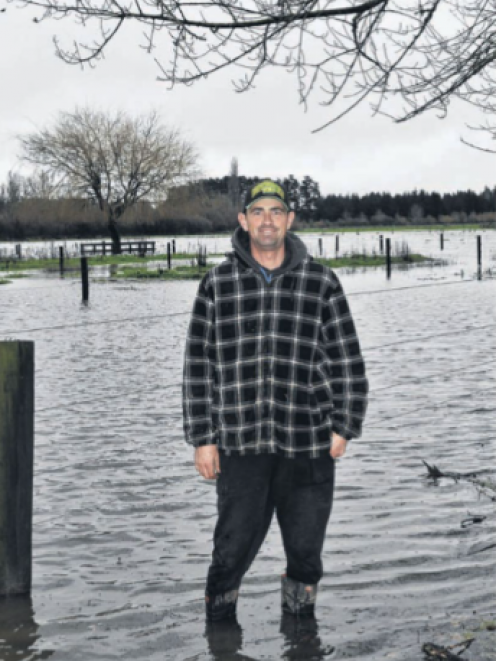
{"x": 225, "y": 639}
{"x": 302, "y": 639}
{"x": 19, "y": 631}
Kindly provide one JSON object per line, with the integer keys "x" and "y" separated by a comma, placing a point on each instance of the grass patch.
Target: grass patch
{"x": 372, "y": 260}
{"x": 391, "y": 228}
{"x": 186, "y": 272}
{"x": 183, "y": 272}
{"x": 103, "y": 260}
{"x": 13, "y": 276}
{"x": 30, "y": 264}
{"x": 74, "y": 263}
{"x": 131, "y": 269}
{"x": 17, "y": 276}
{"x": 485, "y": 625}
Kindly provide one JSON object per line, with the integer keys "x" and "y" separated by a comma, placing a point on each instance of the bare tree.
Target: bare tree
{"x": 406, "y": 56}
{"x": 113, "y": 159}
{"x": 14, "y": 189}
{"x": 43, "y": 185}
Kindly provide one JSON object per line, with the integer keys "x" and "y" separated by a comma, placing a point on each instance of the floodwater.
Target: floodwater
{"x": 123, "y": 524}
{"x": 457, "y": 245}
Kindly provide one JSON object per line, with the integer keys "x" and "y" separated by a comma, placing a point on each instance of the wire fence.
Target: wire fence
{"x": 187, "y": 312}
{"x": 429, "y": 337}
{"x": 427, "y": 407}
{"x": 76, "y": 283}
{"x": 448, "y": 374}
{"x": 375, "y": 425}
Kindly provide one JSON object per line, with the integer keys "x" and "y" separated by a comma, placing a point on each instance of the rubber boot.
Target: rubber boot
{"x": 221, "y": 606}
{"x": 297, "y": 598}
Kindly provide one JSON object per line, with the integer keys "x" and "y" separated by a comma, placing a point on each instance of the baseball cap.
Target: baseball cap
{"x": 266, "y": 188}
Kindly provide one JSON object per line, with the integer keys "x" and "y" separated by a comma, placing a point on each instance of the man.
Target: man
{"x": 274, "y": 388}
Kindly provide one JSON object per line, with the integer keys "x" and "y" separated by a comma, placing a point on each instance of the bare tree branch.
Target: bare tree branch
{"x": 420, "y": 53}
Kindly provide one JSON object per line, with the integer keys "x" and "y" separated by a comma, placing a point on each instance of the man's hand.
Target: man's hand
{"x": 207, "y": 461}
{"x": 338, "y": 446}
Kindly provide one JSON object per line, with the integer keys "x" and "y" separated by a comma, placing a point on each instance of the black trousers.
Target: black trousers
{"x": 250, "y": 489}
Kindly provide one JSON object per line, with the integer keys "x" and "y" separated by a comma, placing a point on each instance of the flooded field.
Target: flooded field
{"x": 457, "y": 245}
{"x": 123, "y": 524}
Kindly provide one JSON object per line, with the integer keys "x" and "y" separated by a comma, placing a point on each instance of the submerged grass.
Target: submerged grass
{"x": 373, "y": 260}
{"x": 485, "y": 625}
{"x": 74, "y": 263}
{"x": 186, "y": 272}
{"x": 183, "y": 272}
{"x": 132, "y": 266}
{"x": 12, "y": 276}
{"x": 393, "y": 228}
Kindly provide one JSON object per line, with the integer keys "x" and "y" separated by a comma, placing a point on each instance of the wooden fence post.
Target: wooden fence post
{"x": 321, "y": 248}
{"x": 16, "y": 466}
{"x": 381, "y": 244}
{"x": 479, "y": 257}
{"x": 337, "y": 244}
{"x": 61, "y": 259}
{"x": 388, "y": 258}
{"x": 441, "y": 238}
{"x": 168, "y": 255}
{"x": 84, "y": 279}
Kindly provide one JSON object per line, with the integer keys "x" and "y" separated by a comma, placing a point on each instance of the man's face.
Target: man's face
{"x": 267, "y": 222}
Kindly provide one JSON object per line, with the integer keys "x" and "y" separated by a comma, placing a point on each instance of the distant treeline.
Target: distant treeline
{"x": 413, "y": 206}
{"x": 211, "y": 205}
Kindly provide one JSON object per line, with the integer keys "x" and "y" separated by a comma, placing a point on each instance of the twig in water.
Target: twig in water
{"x": 439, "y": 653}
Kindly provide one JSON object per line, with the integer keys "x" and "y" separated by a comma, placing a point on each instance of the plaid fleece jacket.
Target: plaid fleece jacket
{"x": 272, "y": 368}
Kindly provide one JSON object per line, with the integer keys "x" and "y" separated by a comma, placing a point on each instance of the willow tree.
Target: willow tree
{"x": 406, "y": 56}
{"x": 112, "y": 159}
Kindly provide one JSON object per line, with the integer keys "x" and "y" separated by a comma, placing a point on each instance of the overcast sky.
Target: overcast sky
{"x": 266, "y": 129}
